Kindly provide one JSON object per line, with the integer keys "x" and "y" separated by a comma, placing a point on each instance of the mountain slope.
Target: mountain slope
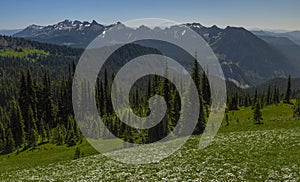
{"x": 284, "y": 45}
{"x": 256, "y": 58}
{"x": 246, "y": 59}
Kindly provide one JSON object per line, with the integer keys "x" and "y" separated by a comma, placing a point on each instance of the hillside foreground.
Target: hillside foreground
{"x": 241, "y": 151}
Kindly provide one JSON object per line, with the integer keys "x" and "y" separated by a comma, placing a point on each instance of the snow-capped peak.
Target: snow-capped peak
{"x": 194, "y": 25}
{"x": 34, "y": 26}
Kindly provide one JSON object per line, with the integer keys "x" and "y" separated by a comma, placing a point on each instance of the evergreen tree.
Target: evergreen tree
{"x": 23, "y": 95}
{"x": 39, "y": 107}
{"x": 247, "y": 100}
{"x": 106, "y": 94}
{"x": 201, "y": 118}
{"x": 77, "y": 153}
{"x": 43, "y": 131}
{"x": 62, "y": 113}
{"x": 255, "y": 99}
{"x": 10, "y": 142}
{"x": 102, "y": 98}
{"x": 287, "y": 96}
{"x": 4, "y": 123}
{"x": 58, "y": 135}
{"x": 149, "y": 91}
{"x": 205, "y": 89}
{"x": 257, "y": 115}
{"x": 276, "y": 97}
{"x": 175, "y": 108}
{"x": 17, "y": 124}
{"x": 297, "y": 108}
{"x": 196, "y": 72}
{"x": 196, "y": 78}
{"x": 32, "y": 134}
{"x": 48, "y": 109}
{"x": 226, "y": 118}
{"x": 262, "y": 100}
{"x": 234, "y": 102}
{"x": 2, "y": 137}
{"x": 154, "y": 133}
{"x": 269, "y": 95}
{"x": 32, "y": 100}
{"x": 73, "y": 134}
{"x": 165, "y": 124}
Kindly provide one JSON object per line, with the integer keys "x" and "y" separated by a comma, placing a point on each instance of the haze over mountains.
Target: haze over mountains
{"x": 247, "y": 58}
{"x": 293, "y": 35}
{"x": 9, "y": 32}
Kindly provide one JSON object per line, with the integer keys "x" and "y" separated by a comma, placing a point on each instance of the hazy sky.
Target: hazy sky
{"x": 273, "y": 14}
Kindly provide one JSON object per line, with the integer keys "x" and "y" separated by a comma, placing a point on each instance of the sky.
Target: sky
{"x": 250, "y": 14}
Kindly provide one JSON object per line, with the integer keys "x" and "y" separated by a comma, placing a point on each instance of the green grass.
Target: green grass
{"x": 241, "y": 151}
{"x": 43, "y": 155}
{"x": 49, "y": 153}
{"x": 274, "y": 117}
{"x": 266, "y": 155}
{"x": 29, "y": 54}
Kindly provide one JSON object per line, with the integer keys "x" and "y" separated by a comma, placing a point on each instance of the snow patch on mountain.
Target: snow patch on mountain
{"x": 237, "y": 83}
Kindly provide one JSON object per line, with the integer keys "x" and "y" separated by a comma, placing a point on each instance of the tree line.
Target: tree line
{"x": 39, "y": 114}
{"x": 257, "y": 101}
{"x": 141, "y": 92}
{"x": 42, "y": 113}
{"x": 42, "y": 110}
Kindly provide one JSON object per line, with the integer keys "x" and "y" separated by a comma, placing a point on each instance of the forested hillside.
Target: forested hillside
{"x": 36, "y": 96}
{"x": 36, "y": 80}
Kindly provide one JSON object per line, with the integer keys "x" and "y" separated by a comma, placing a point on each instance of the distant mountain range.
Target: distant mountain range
{"x": 9, "y": 32}
{"x": 70, "y": 33}
{"x": 247, "y": 58}
{"x": 293, "y": 35}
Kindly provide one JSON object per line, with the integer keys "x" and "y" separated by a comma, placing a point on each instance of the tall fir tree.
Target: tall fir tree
{"x": 31, "y": 93}
{"x": 200, "y": 126}
{"x": 269, "y": 96}
{"x": 257, "y": 114}
{"x": 276, "y": 96}
{"x": 2, "y": 137}
{"x": 296, "y": 112}
{"x": 17, "y": 124}
{"x": 196, "y": 72}
{"x": 288, "y": 91}
{"x": 205, "y": 89}
{"x": 23, "y": 96}
{"x": 48, "y": 110}
{"x": 165, "y": 124}
{"x": 226, "y": 118}
{"x": 10, "y": 142}
{"x": 255, "y": 99}
{"x": 32, "y": 134}
{"x": 234, "y": 102}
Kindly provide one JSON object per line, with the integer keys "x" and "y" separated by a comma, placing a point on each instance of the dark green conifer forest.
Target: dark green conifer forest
{"x": 36, "y": 98}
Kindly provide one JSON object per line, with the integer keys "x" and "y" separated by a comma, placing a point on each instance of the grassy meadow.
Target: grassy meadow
{"x": 241, "y": 151}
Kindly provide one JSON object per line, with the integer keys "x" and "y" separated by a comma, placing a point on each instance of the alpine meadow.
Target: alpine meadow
{"x": 60, "y": 124}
